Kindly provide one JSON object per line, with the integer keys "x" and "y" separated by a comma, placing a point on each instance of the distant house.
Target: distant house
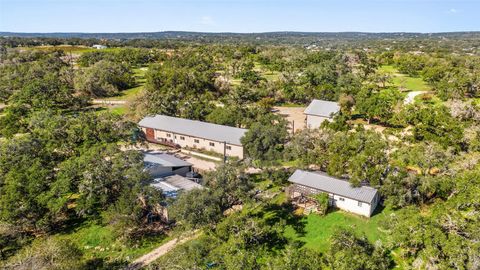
{"x": 99, "y": 47}
{"x": 162, "y": 164}
{"x": 319, "y": 111}
{"x": 182, "y": 132}
{"x": 359, "y": 200}
{"x": 172, "y": 185}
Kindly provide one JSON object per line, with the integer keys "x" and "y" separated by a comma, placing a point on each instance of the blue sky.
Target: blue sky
{"x": 239, "y": 15}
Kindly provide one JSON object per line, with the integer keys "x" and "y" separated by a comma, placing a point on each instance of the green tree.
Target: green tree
{"x": 104, "y": 79}
{"x": 348, "y": 251}
{"x": 265, "y": 139}
{"x": 197, "y": 208}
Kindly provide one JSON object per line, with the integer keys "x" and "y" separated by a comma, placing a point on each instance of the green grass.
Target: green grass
{"x": 120, "y": 110}
{"x": 318, "y": 229}
{"x": 130, "y": 94}
{"x": 97, "y": 241}
{"x": 403, "y": 81}
{"x": 65, "y": 48}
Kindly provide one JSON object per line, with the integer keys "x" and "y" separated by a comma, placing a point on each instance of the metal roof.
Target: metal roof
{"x": 322, "y": 108}
{"x": 329, "y": 184}
{"x": 194, "y": 128}
{"x": 165, "y": 160}
{"x": 174, "y": 183}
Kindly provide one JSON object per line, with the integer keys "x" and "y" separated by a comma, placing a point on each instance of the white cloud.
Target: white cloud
{"x": 453, "y": 10}
{"x": 207, "y": 20}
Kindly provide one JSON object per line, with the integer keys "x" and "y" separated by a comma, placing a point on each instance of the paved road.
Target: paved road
{"x": 161, "y": 250}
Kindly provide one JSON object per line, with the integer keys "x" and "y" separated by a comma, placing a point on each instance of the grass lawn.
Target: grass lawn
{"x": 405, "y": 81}
{"x": 318, "y": 229}
{"x": 129, "y": 94}
{"x": 98, "y": 241}
{"x": 120, "y": 110}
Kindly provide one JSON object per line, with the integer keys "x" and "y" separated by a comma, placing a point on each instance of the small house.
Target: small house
{"x": 359, "y": 200}
{"x": 319, "y": 111}
{"x": 99, "y": 47}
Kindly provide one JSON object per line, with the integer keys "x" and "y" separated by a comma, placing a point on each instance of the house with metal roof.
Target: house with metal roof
{"x": 160, "y": 164}
{"x": 319, "y": 111}
{"x": 359, "y": 200}
{"x": 180, "y": 132}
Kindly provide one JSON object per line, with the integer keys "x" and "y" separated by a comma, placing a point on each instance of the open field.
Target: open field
{"x": 318, "y": 229}
{"x": 405, "y": 82}
{"x": 66, "y": 48}
{"x": 128, "y": 94}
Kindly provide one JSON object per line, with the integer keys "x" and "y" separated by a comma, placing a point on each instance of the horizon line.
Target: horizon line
{"x": 264, "y": 32}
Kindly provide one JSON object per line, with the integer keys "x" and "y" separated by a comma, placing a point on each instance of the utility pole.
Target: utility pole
{"x": 224, "y": 152}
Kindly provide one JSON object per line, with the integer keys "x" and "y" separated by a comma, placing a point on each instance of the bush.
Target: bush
{"x": 322, "y": 200}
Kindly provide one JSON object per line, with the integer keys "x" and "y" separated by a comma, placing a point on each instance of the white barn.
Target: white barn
{"x": 359, "y": 200}
{"x": 180, "y": 132}
{"x": 319, "y": 111}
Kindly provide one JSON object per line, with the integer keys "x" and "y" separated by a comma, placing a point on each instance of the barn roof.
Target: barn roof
{"x": 329, "y": 184}
{"x": 322, "y": 108}
{"x": 166, "y": 160}
{"x": 194, "y": 128}
{"x": 170, "y": 185}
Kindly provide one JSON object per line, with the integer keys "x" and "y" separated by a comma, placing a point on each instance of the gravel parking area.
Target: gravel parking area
{"x": 294, "y": 115}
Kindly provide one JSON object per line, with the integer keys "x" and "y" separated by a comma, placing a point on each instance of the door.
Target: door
{"x": 150, "y": 133}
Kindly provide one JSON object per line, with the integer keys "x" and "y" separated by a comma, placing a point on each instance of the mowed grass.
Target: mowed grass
{"x": 130, "y": 94}
{"x": 319, "y": 229}
{"x": 99, "y": 241}
{"x": 405, "y": 82}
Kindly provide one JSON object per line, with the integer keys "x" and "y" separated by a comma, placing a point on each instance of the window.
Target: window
{"x": 359, "y": 204}
{"x": 182, "y": 138}
{"x": 196, "y": 141}
{"x": 169, "y": 135}
{"x": 229, "y": 147}
{"x": 341, "y": 199}
{"x": 212, "y": 144}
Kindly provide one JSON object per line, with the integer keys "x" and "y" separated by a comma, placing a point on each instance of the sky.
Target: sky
{"x": 244, "y": 16}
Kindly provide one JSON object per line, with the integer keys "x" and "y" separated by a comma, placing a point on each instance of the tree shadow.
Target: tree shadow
{"x": 103, "y": 264}
{"x": 277, "y": 213}
{"x": 378, "y": 210}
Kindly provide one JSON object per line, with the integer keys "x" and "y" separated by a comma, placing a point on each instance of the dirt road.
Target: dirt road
{"x": 160, "y": 251}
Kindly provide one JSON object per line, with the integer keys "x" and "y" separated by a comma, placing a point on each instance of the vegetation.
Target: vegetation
{"x": 69, "y": 187}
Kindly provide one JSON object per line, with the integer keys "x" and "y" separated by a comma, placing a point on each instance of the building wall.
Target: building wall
{"x": 159, "y": 171}
{"x": 314, "y": 121}
{"x": 198, "y": 143}
{"x": 162, "y": 171}
{"x": 350, "y": 205}
{"x": 182, "y": 171}
{"x": 346, "y": 204}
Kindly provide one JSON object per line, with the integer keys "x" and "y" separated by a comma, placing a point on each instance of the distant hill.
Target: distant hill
{"x": 267, "y": 35}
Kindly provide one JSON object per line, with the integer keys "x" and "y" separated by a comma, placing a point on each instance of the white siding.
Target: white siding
{"x": 354, "y": 206}
{"x": 314, "y": 121}
{"x": 199, "y": 143}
